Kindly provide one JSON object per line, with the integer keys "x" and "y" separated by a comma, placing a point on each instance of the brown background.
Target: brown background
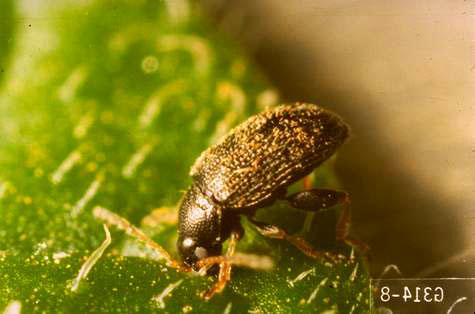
{"x": 402, "y": 73}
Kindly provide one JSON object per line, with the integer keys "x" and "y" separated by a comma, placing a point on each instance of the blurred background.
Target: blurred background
{"x": 402, "y": 73}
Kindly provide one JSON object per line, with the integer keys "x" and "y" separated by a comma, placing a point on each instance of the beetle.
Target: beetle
{"x": 251, "y": 168}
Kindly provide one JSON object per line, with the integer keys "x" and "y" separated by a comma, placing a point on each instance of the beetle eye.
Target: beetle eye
{"x": 187, "y": 243}
{"x": 201, "y": 252}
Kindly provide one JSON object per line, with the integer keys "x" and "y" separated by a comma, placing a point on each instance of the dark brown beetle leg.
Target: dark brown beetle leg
{"x": 274, "y": 232}
{"x": 323, "y": 199}
{"x": 224, "y": 269}
{"x": 317, "y": 199}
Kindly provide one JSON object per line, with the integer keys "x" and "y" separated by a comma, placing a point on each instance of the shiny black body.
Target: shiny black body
{"x": 251, "y": 168}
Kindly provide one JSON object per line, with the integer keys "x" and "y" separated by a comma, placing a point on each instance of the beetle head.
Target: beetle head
{"x": 199, "y": 228}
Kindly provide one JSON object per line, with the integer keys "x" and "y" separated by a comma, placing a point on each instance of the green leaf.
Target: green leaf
{"x": 112, "y": 112}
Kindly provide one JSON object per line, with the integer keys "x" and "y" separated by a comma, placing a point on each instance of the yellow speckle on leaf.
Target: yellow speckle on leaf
{"x": 27, "y": 200}
{"x": 91, "y": 166}
{"x": 187, "y": 309}
{"x": 149, "y": 64}
{"x": 39, "y": 172}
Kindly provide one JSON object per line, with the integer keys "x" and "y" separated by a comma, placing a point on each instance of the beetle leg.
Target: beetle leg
{"x": 224, "y": 269}
{"x": 274, "y": 232}
{"x": 317, "y": 199}
{"x": 343, "y": 230}
{"x": 307, "y": 182}
{"x": 258, "y": 262}
{"x": 323, "y": 199}
{"x": 121, "y": 223}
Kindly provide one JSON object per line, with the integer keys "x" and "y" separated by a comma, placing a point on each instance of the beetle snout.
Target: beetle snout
{"x": 191, "y": 251}
{"x": 192, "y": 258}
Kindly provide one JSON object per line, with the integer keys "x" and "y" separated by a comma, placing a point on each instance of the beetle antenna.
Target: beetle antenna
{"x": 121, "y": 223}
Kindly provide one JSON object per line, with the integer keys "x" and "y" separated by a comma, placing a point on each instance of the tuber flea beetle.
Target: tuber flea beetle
{"x": 251, "y": 168}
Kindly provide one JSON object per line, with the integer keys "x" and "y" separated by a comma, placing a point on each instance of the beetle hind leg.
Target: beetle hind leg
{"x": 314, "y": 200}
{"x": 343, "y": 231}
